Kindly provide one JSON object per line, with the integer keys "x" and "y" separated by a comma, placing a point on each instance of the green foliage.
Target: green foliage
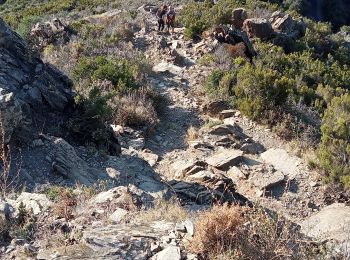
{"x": 26, "y": 24}
{"x": 334, "y": 150}
{"x": 119, "y": 72}
{"x": 259, "y": 90}
{"x": 198, "y": 17}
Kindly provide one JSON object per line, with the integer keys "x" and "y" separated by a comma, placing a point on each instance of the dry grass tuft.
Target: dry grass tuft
{"x": 233, "y": 232}
{"x": 135, "y": 109}
{"x": 217, "y": 230}
{"x": 192, "y": 134}
{"x": 170, "y": 210}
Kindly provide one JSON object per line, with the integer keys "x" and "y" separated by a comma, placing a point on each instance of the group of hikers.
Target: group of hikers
{"x": 166, "y": 16}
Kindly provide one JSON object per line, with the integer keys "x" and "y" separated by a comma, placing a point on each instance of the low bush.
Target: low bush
{"x": 334, "y": 150}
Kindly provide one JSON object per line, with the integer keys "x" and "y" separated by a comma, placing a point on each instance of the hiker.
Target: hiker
{"x": 170, "y": 19}
{"x": 161, "y": 15}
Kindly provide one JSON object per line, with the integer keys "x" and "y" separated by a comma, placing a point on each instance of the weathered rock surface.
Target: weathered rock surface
{"x": 284, "y": 23}
{"x": 50, "y": 32}
{"x": 68, "y": 164}
{"x": 33, "y": 201}
{"x": 267, "y": 180}
{"x": 169, "y": 253}
{"x": 332, "y": 222}
{"x": 27, "y": 87}
{"x": 282, "y": 161}
{"x": 258, "y": 27}
{"x": 225, "y": 159}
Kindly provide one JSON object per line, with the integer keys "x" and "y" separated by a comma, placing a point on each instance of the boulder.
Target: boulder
{"x": 169, "y": 253}
{"x": 253, "y": 148}
{"x": 167, "y": 67}
{"x": 239, "y": 15}
{"x": 258, "y": 27}
{"x": 33, "y": 201}
{"x": 28, "y": 88}
{"x": 225, "y": 129}
{"x": 50, "y": 32}
{"x": 282, "y": 161}
{"x": 225, "y": 159}
{"x": 284, "y": 23}
{"x": 332, "y": 222}
{"x": 267, "y": 180}
{"x": 215, "y": 107}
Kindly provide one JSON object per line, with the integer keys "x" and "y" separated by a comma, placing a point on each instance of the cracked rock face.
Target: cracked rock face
{"x": 30, "y": 91}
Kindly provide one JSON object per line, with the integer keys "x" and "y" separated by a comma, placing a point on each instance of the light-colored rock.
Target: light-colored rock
{"x": 267, "y": 180}
{"x": 282, "y": 161}
{"x": 33, "y": 201}
{"x": 167, "y": 67}
{"x": 225, "y": 159}
{"x": 137, "y": 144}
{"x": 332, "y": 222}
{"x": 235, "y": 174}
{"x": 169, "y": 253}
{"x": 118, "y": 215}
{"x": 149, "y": 157}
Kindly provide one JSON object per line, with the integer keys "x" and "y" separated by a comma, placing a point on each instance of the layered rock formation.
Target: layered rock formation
{"x": 31, "y": 92}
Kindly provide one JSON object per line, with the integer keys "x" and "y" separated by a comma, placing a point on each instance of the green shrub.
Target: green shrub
{"x": 119, "y": 72}
{"x": 198, "y": 17}
{"x": 259, "y": 89}
{"x": 334, "y": 150}
{"x": 25, "y": 26}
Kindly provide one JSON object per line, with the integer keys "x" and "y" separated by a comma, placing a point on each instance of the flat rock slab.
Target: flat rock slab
{"x": 225, "y": 159}
{"x": 332, "y": 222}
{"x": 167, "y": 67}
{"x": 268, "y": 180}
{"x": 169, "y": 253}
{"x": 282, "y": 161}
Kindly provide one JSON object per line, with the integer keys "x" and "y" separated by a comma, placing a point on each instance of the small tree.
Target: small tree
{"x": 334, "y": 150}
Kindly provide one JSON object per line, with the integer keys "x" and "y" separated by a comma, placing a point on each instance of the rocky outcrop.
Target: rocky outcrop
{"x": 68, "y": 164}
{"x": 51, "y": 32}
{"x": 30, "y": 91}
{"x": 239, "y": 15}
{"x": 285, "y": 23}
{"x": 258, "y": 27}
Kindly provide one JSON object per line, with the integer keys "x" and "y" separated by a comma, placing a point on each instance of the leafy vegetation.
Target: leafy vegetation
{"x": 334, "y": 150}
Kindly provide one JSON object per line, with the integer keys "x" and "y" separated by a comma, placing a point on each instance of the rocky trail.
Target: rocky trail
{"x": 265, "y": 171}
{"x": 201, "y": 152}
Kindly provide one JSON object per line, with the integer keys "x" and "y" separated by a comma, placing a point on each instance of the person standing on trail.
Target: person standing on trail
{"x": 161, "y": 15}
{"x": 170, "y": 19}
